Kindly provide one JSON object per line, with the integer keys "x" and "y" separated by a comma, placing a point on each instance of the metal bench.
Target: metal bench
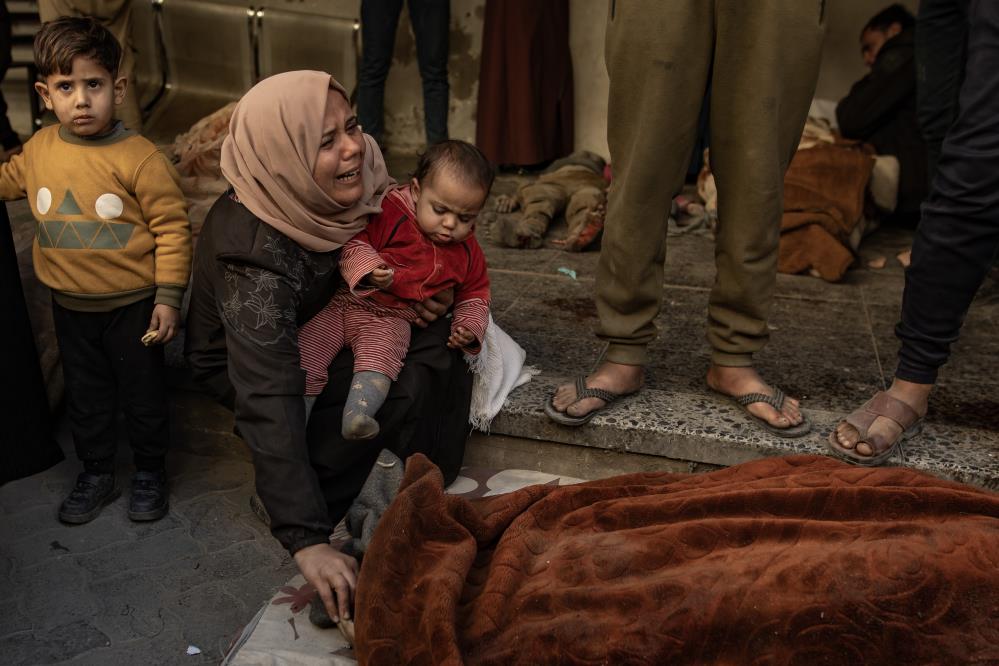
{"x": 24, "y": 24}
{"x": 195, "y": 56}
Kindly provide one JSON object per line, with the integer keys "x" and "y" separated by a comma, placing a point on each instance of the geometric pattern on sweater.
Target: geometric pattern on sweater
{"x": 69, "y": 205}
{"x": 84, "y": 235}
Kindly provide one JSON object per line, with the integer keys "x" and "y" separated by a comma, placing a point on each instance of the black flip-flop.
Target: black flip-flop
{"x": 582, "y": 392}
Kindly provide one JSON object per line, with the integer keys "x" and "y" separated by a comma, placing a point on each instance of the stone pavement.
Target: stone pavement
{"x": 117, "y": 592}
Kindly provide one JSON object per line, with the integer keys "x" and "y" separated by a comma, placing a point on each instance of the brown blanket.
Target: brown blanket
{"x": 783, "y": 560}
{"x": 823, "y": 202}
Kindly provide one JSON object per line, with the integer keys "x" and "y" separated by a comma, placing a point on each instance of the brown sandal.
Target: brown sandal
{"x": 888, "y": 407}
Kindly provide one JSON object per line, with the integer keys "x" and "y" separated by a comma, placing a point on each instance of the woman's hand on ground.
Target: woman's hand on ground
{"x": 333, "y": 574}
{"x": 434, "y": 307}
{"x": 460, "y": 338}
{"x": 165, "y": 322}
{"x": 381, "y": 277}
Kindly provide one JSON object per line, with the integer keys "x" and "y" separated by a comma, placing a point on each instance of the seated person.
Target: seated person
{"x": 881, "y": 107}
{"x": 421, "y": 243}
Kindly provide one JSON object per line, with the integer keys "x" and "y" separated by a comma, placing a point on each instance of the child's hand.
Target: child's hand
{"x": 381, "y": 277}
{"x": 460, "y": 337}
{"x": 165, "y": 323}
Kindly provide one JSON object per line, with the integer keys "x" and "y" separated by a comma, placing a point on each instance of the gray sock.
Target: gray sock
{"x": 368, "y": 391}
{"x": 310, "y": 402}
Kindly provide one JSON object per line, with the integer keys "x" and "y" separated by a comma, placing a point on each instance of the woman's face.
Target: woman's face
{"x": 341, "y": 152}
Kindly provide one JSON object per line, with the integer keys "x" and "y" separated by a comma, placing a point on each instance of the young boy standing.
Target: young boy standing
{"x": 113, "y": 243}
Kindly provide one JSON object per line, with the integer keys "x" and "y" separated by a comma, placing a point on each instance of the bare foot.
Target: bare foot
{"x": 914, "y": 395}
{"x": 614, "y": 377}
{"x": 740, "y": 381}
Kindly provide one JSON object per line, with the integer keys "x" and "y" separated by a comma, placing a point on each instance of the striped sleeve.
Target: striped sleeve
{"x": 358, "y": 259}
{"x": 472, "y": 315}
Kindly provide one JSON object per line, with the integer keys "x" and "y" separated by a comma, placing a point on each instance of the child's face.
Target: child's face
{"x": 446, "y": 207}
{"x": 84, "y": 99}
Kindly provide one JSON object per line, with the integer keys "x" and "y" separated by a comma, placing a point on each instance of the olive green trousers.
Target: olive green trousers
{"x": 761, "y": 59}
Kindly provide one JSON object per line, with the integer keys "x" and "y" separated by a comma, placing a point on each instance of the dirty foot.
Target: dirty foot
{"x": 916, "y": 396}
{"x": 614, "y": 377}
{"x": 734, "y": 382}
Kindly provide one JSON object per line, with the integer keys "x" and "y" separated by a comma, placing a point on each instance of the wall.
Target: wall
{"x": 841, "y": 65}
{"x": 404, "y": 95}
{"x": 587, "y": 26}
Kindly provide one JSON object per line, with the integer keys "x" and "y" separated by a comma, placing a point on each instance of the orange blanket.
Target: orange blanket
{"x": 823, "y": 202}
{"x": 783, "y": 560}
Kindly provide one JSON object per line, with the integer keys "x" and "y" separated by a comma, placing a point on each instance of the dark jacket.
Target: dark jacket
{"x": 252, "y": 289}
{"x": 881, "y": 110}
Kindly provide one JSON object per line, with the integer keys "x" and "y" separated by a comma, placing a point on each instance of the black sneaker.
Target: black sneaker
{"x": 150, "y": 499}
{"x": 91, "y": 494}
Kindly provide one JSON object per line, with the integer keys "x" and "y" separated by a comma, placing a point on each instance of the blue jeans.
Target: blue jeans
{"x": 379, "y": 19}
{"x": 958, "y": 235}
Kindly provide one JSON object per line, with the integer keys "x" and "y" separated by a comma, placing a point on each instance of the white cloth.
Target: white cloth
{"x": 499, "y": 368}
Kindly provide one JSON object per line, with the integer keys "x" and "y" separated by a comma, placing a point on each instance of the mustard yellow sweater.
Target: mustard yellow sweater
{"x": 112, "y": 221}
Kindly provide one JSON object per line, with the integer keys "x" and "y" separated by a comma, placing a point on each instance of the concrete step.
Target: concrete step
{"x": 705, "y": 429}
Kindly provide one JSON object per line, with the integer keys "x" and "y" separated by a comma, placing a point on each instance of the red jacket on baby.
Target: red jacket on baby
{"x": 422, "y": 268}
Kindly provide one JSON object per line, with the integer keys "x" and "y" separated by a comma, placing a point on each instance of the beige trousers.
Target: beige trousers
{"x": 116, "y": 16}
{"x": 761, "y": 58}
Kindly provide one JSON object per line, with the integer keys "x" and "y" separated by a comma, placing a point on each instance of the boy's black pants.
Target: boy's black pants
{"x": 105, "y": 364}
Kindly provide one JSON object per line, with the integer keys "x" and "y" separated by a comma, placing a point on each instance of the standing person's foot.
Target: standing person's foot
{"x": 577, "y": 402}
{"x": 150, "y": 498}
{"x": 871, "y": 433}
{"x": 91, "y": 493}
{"x": 744, "y": 385}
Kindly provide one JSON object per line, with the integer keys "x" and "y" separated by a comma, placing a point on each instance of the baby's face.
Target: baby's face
{"x": 446, "y": 207}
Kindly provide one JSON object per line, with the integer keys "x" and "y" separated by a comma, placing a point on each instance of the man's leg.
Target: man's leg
{"x": 430, "y": 19}
{"x": 584, "y": 215}
{"x": 941, "y": 43}
{"x": 765, "y": 68}
{"x": 958, "y": 235}
{"x": 658, "y": 58}
{"x": 540, "y": 203}
{"x": 379, "y": 19}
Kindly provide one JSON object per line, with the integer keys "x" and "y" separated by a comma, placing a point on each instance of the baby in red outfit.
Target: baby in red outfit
{"x": 420, "y": 244}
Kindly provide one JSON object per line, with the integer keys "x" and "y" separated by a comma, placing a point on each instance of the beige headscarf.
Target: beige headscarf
{"x": 273, "y": 141}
